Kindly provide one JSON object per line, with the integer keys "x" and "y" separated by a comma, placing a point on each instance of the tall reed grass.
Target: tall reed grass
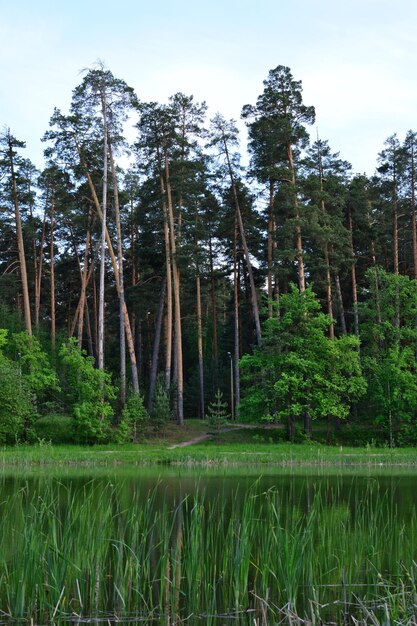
{"x": 97, "y": 550}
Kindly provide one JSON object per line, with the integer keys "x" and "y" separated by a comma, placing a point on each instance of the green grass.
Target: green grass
{"x": 208, "y": 453}
{"x": 104, "y": 550}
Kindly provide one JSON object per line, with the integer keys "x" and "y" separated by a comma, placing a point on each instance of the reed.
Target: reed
{"x": 97, "y": 550}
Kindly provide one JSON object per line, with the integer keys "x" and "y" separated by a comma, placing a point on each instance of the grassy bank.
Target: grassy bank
{"x": 208, "y": 453}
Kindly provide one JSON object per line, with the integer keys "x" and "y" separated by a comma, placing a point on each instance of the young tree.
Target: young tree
{"x": 389, "y": 336}
{"x": 299, "y": 373}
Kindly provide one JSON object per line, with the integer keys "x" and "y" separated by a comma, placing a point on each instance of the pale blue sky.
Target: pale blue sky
{"x": 356, "y": 60}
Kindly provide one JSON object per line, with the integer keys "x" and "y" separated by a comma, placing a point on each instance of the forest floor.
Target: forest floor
{"x": 205, "y": 436}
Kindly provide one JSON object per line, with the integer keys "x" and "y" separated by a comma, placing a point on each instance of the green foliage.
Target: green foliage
{"x": 389, "y": 342}
{"x": 89, "y": 391}
{"x": 54, "y": 429}
{"x": 299, "y": 371}
{"x": 161, "y": 411}
{"x": 16, "y": 410}
{"x": 134, "y": 422}
{"x": 217, "y": 415}
{"x": 35, "y": 367}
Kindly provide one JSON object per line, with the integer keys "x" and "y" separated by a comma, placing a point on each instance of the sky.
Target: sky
{"x": 356, "y": 60}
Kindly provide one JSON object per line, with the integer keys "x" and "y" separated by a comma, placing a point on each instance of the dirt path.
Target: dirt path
{"x": 205, "y": 436}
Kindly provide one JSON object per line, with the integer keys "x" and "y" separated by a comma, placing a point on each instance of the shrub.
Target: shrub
{"x": 89, "y": 391}
{"x": 16, "y": 411}
{"x": 55, "y": 428}
{"x": 161, "y": 411}
{"x": 135, "y": 419}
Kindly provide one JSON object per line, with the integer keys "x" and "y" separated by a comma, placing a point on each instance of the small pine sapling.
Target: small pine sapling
{"x": 161, "y": 410}
{"x": 217, "y": 415}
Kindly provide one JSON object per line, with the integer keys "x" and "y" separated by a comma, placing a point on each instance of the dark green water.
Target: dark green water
{"x": 222, "y": 545}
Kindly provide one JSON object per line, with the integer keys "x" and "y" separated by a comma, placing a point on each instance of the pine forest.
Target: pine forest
{"x": 147, "y": 275}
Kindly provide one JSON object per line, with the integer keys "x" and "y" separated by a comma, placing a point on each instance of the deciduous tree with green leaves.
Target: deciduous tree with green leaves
{"x": 299, "y": 374}
{"x": 89, "y": 391}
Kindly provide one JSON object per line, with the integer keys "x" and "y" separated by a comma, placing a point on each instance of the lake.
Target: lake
{"x": 215, "y": 546}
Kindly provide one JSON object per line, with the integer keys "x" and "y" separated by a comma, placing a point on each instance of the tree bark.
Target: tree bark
{"x": 254, "y": 297}
{"x": 413, "y": 211}
{"x": 38, "y": 271}
{"x": 341, "y": 307}
{"x": 215, "y": 348}
{"x": 121, "y": 288}
{"x": 156, "y": 344}
{"x": 201, "y": 407}
{"x": 100, "y": 349}
{"x": 298, "y": 238}
{"x": 177, "y": 301}
{"x": 169, "y": 306}
{"x": 129, "y": 335}
{"x": 20, "y": 243}
{"x": 270, "y": 246}
{"x": 236, "y": 344}
{"x": 52, "y": 269}
{"x": 353, "y": 277}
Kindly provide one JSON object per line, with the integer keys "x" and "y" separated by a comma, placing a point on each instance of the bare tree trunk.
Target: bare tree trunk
{"x": 199, "y": 327}
{"x": 177, "y": 301}
{"x": 121, "y": 290}
{"x": 298, "y": 238}
{"x": 129, "y": 335}
{"x": 396, "y": 254}
{"x": 156, "y": 344}
{"x": 100, "y": 350}
{"x": 213, "y": 305}
{"x": 95, "y": 308}
{"x": 236, "y": 353}
{"x": 91, "y": 350}
{"x": 353, "y": 275}
{"x": 413, "y": 212}
{"x": 254, "y": 297}
{"x": 169, "y": 307}
{"x": 200, "y": 348}
{"x": 84, "y": 276}
{"x": 75, "y": 321}
{"x": 52, "y": 269}
{"x": 341, "y": 307}
{"x": 20, "y": 243}
{"x": 38, "y": 271}
{"x": 329, "y": 291}
{"x": 271, "y": 224}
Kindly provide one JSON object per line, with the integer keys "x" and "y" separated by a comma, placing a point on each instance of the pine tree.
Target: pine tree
{"x": 217, "y": 415}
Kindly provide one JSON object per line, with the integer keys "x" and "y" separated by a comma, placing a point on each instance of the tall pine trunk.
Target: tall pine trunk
{"x": 52, "y": 269}
{"x": 100, "y": 350}
{"x": 254, "y": 297}
{"x": 156, "y": 344}
{"x": 201, "y": 406}
{"x": 122, "y": 334}
{"x": 235, "y": 383}
{"x": 19, "y": 237}
{"x": 298, "y": 238}
{"x": 353, "y": 277}
{"x": 177, "y": 301}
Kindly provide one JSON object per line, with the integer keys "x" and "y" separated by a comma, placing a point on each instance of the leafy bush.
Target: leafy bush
{"x": 135, "y": 419}
{"x": 16, "y": 412}
{"x": 55, "y": 428}
{"x": 161, "y": 410}
{"x": 89, "y": 391}
{"x": 35, "y": 367}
